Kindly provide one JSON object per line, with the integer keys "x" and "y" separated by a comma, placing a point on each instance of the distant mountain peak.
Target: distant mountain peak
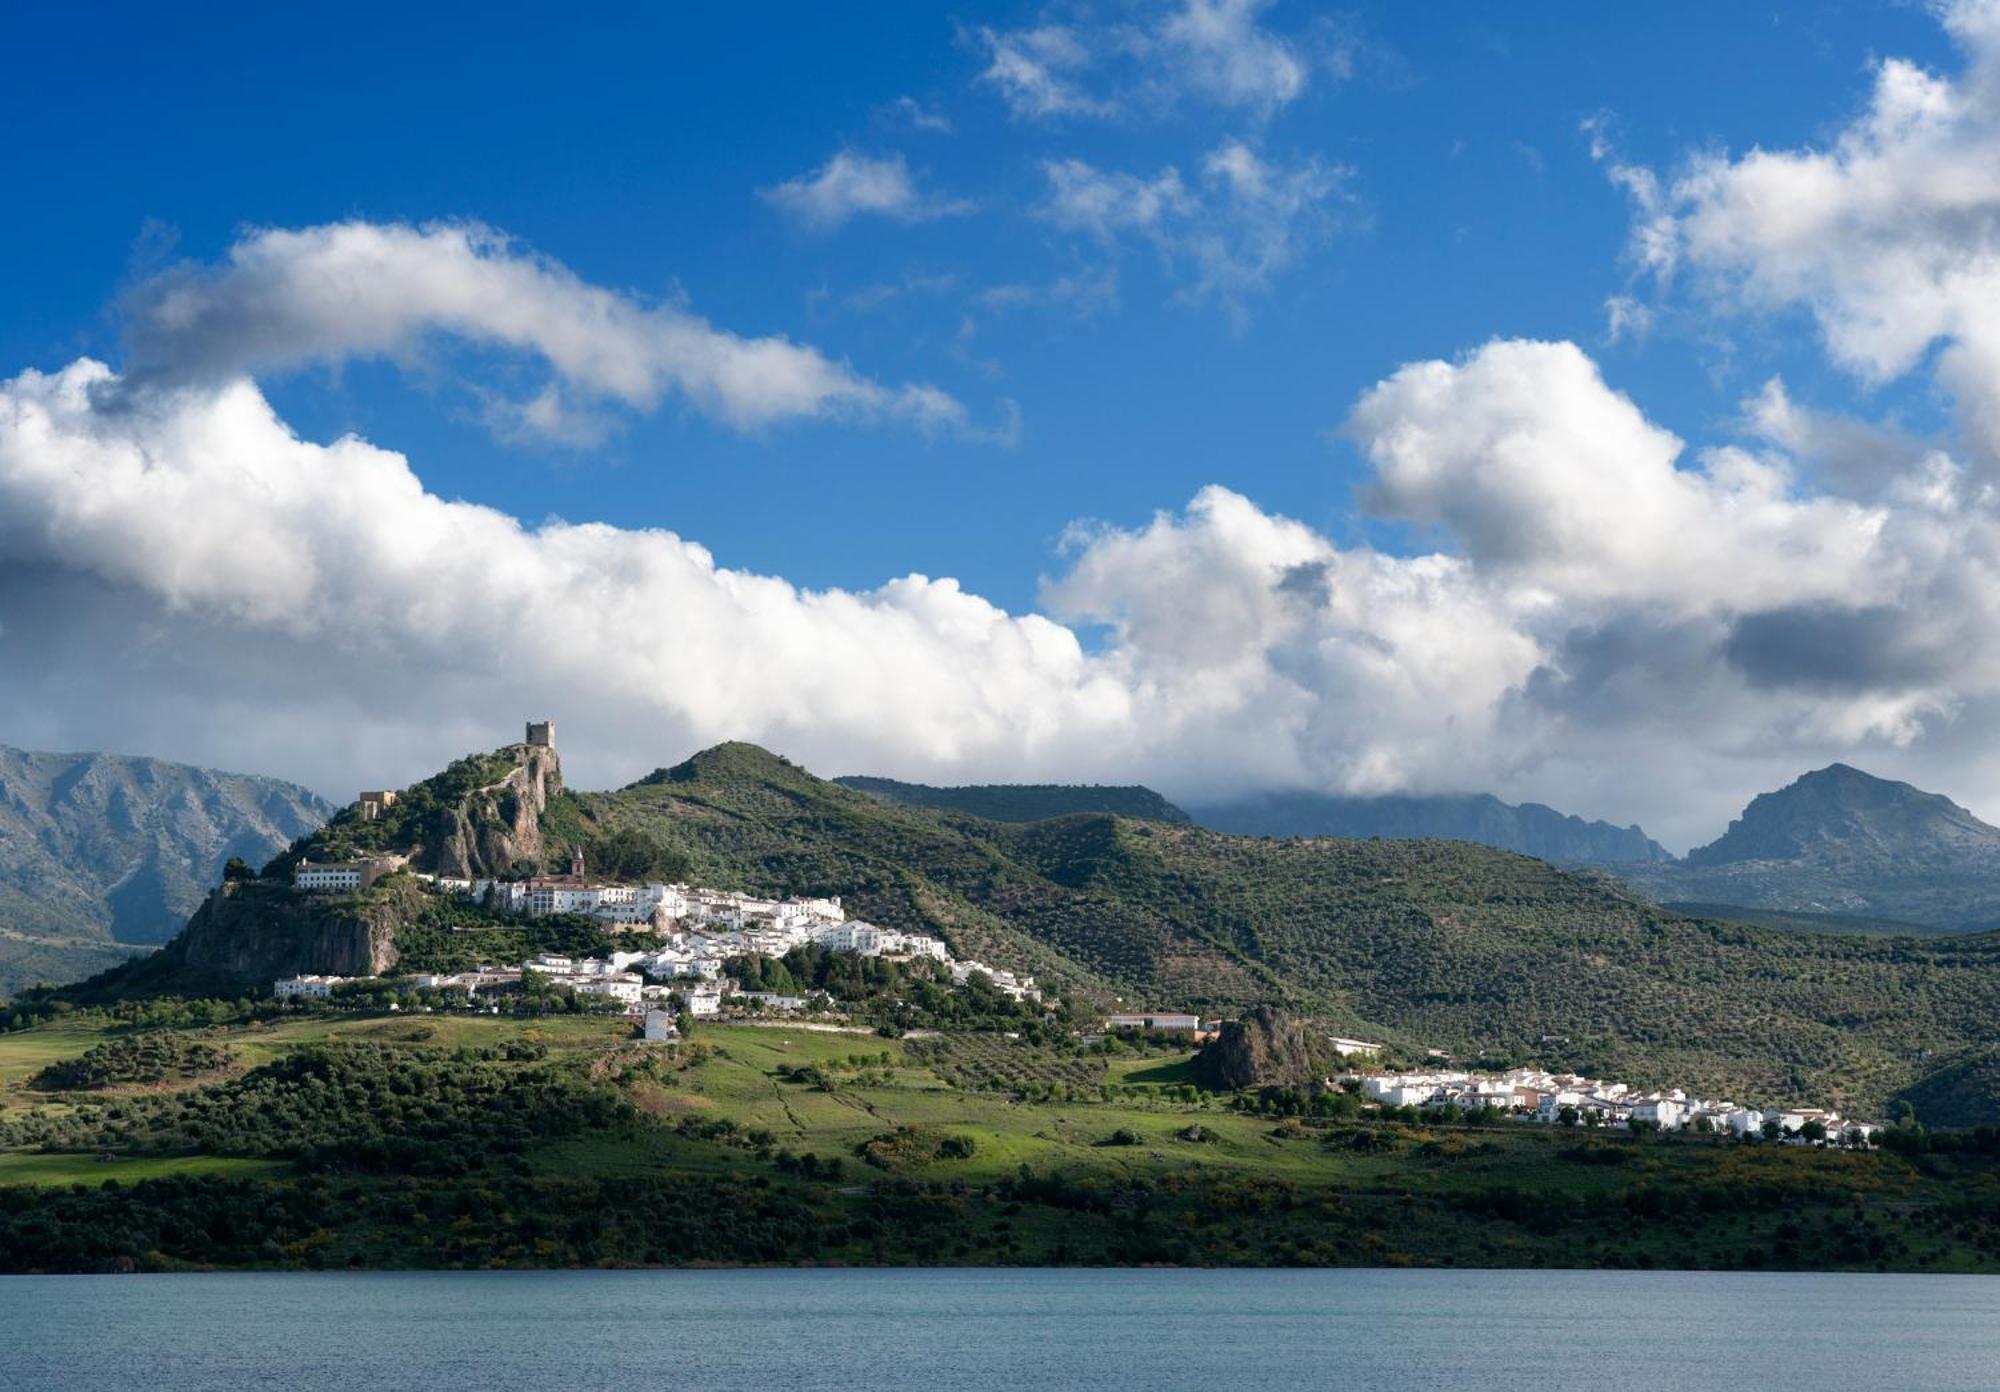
{"x": 1840, "y": 812}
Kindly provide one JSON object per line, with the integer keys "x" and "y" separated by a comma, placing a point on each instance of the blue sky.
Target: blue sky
{"x": 1246, "y": 377}
{"x": 630, "y": 143}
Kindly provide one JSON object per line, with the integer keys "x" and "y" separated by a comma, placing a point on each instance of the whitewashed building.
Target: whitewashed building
{"x": 306, "y": 987}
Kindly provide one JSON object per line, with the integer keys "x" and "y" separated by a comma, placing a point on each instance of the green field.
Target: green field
{"x": 417, "y": 1141}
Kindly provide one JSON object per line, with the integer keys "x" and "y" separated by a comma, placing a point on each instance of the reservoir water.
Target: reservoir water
{"x": 1467, "y": 1331}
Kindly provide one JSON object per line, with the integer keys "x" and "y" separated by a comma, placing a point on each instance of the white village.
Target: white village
{"x": 700, "y": 929}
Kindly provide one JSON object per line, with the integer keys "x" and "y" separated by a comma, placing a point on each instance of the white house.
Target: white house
{"x": 1349, "y": 1048}
{"x": 1169, "y": 1020}
{"x": 1663, "y": 1112}
{"x": 624, "y": 986}
{"x": 306, "y": 987}
{"x": 340, "y": 877}
{"x": 660, "y": 1026}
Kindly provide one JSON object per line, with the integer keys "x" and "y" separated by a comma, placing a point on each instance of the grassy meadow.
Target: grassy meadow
{"x": 452, "y": 1140}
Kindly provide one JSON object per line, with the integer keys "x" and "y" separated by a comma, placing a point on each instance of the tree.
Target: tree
{"x": 237, "y": 868}
{"x": 1813, "y": 1130}
{"x": 1773, "y": 1129}
{"x": 1568, "y": 1116}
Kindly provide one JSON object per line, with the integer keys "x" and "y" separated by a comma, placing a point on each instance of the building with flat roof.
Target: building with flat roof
{"x": 337, "y": 877}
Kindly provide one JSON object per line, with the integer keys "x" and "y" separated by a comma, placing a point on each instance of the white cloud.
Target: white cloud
{"x": 914, "y": 113}
{"x": 1219, "y": 50}
{"x": 1036, "y": 71}
{"x": 1230, "y": 235}
{"x": 1888, "y": 234}
{"x": 1604, "y": 624}
{"x": 1212, "y": 51}
{"x": 287, "y": 298}
{"x": 1545, "y": 476}
{"x": 1227, "y": 237}
{"x": 852, "y": 185}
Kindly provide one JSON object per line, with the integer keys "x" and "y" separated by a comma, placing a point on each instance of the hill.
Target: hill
{"x": 1528, "y": 829}
{"x": 1843, "y": 842}
{"x": 103, "y": 853}
{"x": 1023, "y": 802}
{"x": 1423, "y": 943}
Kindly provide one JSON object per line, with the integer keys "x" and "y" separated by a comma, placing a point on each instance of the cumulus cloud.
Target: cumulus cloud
{"x": 1604, "y": 621}
{"x": 1544, "y": 475}
{"x": 1888, "y": 234}
{"x": 286, "y": 298}
{"x": 851, "y": 185}
{"x": 1229, "y": 234}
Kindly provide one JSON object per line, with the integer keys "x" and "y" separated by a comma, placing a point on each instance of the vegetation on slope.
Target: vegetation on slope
{"x": 1023, "y": 802}
{"x": 474, "y": 1142}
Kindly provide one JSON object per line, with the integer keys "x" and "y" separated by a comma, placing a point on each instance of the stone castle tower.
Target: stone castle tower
{"x": 542, "y": 734}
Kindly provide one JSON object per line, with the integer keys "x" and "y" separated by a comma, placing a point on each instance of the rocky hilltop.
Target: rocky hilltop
{"x": 1841, "y": 841}
{"x": 481, "y": 817}
{"x": 100, "y": 851}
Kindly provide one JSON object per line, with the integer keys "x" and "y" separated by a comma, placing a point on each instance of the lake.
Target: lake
{"x": 1467, "y": 1331}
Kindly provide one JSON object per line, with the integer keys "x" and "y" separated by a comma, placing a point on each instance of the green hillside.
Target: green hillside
{"x": 1023, "y": 802}
{"x": 1426, "y": 944}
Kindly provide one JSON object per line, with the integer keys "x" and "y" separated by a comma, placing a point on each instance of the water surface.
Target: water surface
{"x": 985, "y": 1330}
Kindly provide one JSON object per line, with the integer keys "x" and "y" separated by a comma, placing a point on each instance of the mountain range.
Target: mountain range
{"x": 1529, "y": 828}
{"x": 104, "y": 854}
{"x": 1836, "y": 851}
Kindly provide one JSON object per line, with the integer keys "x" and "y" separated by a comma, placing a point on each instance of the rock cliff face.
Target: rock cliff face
{"x": 249, "y": 935}
{"x": 493, "y": 828}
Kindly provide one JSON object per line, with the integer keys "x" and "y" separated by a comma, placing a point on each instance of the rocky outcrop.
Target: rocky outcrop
{"x": 247, "y": 935}
{"x": 1266, "y": 1048}
{"x": 498, "y": 827}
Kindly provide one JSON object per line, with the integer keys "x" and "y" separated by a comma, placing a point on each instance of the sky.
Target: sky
{"x": 1595, "y": 405}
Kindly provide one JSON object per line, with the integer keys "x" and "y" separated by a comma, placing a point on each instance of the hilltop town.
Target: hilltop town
{"x": 697, "y": 932}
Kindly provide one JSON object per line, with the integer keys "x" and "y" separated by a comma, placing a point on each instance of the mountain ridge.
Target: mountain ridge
{"x": 100, "y": 853}
{"x": 1023, "y": 802}
{"x": 1841, "y": 841}
{"x": 1530, "y": 828}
